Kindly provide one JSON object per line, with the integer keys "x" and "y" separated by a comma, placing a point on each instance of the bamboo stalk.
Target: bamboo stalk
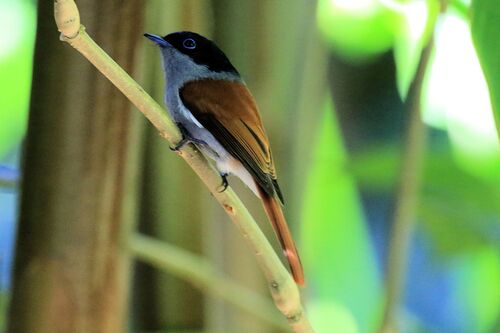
{"x": 73, "y": 219}
{"x": 175, "y": 215}
{"x": 283, "y": 289}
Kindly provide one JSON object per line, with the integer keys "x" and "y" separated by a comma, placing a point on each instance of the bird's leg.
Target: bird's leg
{"x": 224, "y": 183}
{"x": 186, "y": 138}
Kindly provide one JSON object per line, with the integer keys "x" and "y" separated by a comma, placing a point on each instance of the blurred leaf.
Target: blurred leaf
{"x": 337, "y": 251}
{"x": 417, "y": 19}
{"x": 331, "y": 317}
{"x": 456, "y": 99}
{"x": 459, "y": 210}
{"x": 461, "y": 7}
{"x": 486, "y": 34}
{"x": 17, "y": 31}
{"x": 375, "y": 169}
{"x": 357, "y": 30}
{"x": 478, "y": 277}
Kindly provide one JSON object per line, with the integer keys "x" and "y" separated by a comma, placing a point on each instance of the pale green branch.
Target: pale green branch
{"x": 199, "y": 272}
{"x": 283, "y": 289}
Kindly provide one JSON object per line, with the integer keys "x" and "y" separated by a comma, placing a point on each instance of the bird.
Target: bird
{"x": 214, "y": 109}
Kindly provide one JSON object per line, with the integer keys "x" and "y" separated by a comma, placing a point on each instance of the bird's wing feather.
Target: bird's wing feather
{"x": 235, "y": 122}
{"x": 229, "y": 112}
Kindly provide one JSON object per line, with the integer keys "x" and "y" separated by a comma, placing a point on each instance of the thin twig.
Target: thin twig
{"x": 407, "y": 192}
{"x": 203, "y": 275}
{"x": 283, "y": 289}
{"x": 406, "y": 196}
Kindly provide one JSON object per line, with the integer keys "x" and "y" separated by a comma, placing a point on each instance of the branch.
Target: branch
{"x": 283, "y": 289}
{"x": 407, "y": 192}
{"x": 203, "y": 275}
{"x": 406, "y": 196}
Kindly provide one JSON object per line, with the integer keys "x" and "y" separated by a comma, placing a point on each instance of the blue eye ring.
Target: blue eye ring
{"x": 189, "y": 44}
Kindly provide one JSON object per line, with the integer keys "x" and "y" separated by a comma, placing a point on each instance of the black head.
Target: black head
{"x": 202, "y": 50}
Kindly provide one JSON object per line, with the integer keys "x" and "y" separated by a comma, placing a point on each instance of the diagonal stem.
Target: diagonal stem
{"x": 406, "y": 196}
{"x": 200, "y": 273}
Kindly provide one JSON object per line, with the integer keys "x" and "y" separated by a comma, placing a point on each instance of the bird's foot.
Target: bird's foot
{"x": 223, "y": 186}
{"x": 180, "y": 144}
{"x": 186, "y": 138}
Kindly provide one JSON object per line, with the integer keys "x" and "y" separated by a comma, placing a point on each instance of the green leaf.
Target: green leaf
{"x": 357, "y": 30}
{"x": 336, "y": 244}
{"x": 459, "y": 210}
{"x": 17, "y": 22}
{"x": 485, "y": 15}
{"x": 478, "y": 277}
{"x": 331, "y": 317}
{"x": 417, "y": 20}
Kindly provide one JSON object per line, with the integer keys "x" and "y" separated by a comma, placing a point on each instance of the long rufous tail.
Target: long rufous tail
{"x": 275, "y": 215}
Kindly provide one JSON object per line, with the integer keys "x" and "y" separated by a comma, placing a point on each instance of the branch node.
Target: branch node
{"x": 67, "y": 18}
{"x": 295, "y": 318}
{"x": 229, "y": 209}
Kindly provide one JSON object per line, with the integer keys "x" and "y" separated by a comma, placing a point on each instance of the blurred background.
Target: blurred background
{"x": 331, "y": 78}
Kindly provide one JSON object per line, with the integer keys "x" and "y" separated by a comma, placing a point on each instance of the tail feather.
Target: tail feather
{"x": 278, "y": 221}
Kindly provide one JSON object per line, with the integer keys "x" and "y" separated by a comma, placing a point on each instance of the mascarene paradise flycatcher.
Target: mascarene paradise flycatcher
{"x": 214, "y": 109}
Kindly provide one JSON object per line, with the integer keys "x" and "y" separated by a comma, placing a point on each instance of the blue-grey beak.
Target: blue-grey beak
{"x": 157, "y": 39}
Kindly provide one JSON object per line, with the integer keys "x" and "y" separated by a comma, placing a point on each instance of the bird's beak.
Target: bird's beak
{"x": 157, "y": 39}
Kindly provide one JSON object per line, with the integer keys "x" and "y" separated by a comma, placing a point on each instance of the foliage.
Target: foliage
{"x": 334, "y": 232}
{"x": 416, "y": 25}
{"x": 458, "y": 209}
{"x": 485, "y": 15}
{"x": 16, "y": 50}
{"x": 357, "y": 30}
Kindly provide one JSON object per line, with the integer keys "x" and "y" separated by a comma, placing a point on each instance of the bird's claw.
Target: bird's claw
{"x": 223, "y": 186}
{"x": 180, "y": 144}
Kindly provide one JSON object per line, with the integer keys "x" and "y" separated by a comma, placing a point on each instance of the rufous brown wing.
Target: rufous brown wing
{"x": 235, "y": 122}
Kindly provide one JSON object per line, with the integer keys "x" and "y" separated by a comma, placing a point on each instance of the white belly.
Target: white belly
{"x": 233, "y": 166}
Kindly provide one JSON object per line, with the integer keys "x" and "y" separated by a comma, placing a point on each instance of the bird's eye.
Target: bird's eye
{"x": 189, "y": 43}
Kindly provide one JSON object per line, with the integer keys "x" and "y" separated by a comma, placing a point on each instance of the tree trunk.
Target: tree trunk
{"x": 71, "y": 273}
